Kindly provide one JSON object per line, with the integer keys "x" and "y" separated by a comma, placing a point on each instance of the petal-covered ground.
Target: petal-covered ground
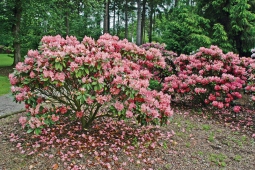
{"x": 188, "y": 142}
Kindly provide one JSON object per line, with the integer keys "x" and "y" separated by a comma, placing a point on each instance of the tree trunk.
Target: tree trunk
{"x": 139, "y": 23}
{"x": 151, "y": 20}
{"x": 118, "y": 22}
{"x": 17, "y": 11}
{"x": 114, "y": 17}
{"x": 239, "y": 44}
{"x": 106, "y": 17}
{"x": 126, "y": 20}
{"x": 143, "y": 21}
{"x": 132, "y": 32}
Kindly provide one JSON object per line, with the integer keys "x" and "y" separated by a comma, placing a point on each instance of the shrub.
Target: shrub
{"x": 210, "y": 77}
{"x": 160, "y": 73}
{"x": 88, "y": 80}
{"x": 6, "y": 50}
{"x": 250, "y": 87}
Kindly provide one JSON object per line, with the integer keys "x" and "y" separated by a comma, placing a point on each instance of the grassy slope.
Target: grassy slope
{"x": 5, "y": 61}
{"x": 4, "y": 85}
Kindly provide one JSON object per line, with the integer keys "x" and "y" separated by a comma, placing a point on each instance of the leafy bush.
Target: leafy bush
{"x": 6, "y": 50}
{"x": 160, "y": 73}
{"x": 88, "y": 80}
{"x": 210, "y": 77}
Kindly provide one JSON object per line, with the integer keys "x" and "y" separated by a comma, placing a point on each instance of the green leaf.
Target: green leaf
{"x": 95, "y": 88}
{"x": 82, "y": 100}
{"x": 99, "y": 66}
{"x": 84, "y": 97}
{"x": 30, "y": 130}
{"x": 38, "y": 131}
{"x": 46, "y": 121}
{"x": 79, "y": 97}
{"x": 100, "y": 85}
{"x": 60, "y": 67}
{"x": 78, "y": 74}
{"x": 87, "y": 70}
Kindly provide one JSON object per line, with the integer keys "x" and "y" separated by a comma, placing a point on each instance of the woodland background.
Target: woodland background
{"x": 183, "y": 25}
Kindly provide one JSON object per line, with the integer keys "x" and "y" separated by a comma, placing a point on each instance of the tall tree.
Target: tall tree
{"x": 185, "y": 31}
{"x": 235, "y": 16}
{"x": 106, "y": 17}
{"x": 126, "y": 19}
{"x": 242, "y": 20}
{"x": 6, "y": 13}
{"x": 17, "y": 12}
{"x": 139, "y": 24}
{"x": 151, "y": 4}
{"x": 143, "y": 21}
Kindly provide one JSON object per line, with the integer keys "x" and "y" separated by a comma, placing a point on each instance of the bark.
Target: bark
{"x": 17, "y": 12}
{"x": 139, "y": 23}
{"x": 151, "y": 20}
{"x": 126, "y": 20}
{"x": 118, "y": 22}
{"x": 239, "y": 44}
{"x": 114, "y": 17}
{"x": 106, "y": 17}
{"x": 143, "y": 22}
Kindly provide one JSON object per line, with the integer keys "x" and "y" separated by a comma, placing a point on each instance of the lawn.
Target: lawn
{"x": 4, "y": 85}
{"x": 5, "y": 63}
{"x": 5, "y": 60}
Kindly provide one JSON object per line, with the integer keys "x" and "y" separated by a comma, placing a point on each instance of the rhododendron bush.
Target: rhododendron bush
{"x": 211, "y": 77}
{"x": 250, "y": 87}
{"x": 160, "y": 73}
{"x": 88, "y": 80}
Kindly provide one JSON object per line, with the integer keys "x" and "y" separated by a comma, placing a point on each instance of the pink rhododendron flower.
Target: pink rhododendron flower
{"x": 79, "y": 114}
{"x": 32, "y": 74}
{"x": 20, "y": 97}
{"x": 60, "y": 77}
{"x": 129, "y": 114}
{"x": 253, "y": 98}
{"x": 119, "y": 106}
{"x": 54, "y": 118}
{"x": 89, "y": 100}
{"x": 236, "y": 109}
{"x": 23, "y": 121}
{"x": 13, "y": 79}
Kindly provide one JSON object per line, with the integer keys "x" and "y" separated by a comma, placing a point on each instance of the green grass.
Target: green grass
{"x": 5, "y": 60}
{"x": 238, "y": 158}
{"x": 219, "y": 159}
{"x": 4, "y": 85}
{"x": 206, "y": 127}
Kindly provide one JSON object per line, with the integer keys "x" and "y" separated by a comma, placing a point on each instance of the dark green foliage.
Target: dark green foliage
{"x": 236, "y": 17}
{"x": 155, "y": 85}
{"x": 184, "y": 31}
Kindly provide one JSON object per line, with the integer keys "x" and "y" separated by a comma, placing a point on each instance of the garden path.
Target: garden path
{"x": 8, "y": 106}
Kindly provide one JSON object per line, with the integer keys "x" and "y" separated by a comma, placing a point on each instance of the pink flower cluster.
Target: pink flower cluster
{"x": 210, "y": 76}
{"x": 85, "y": 76}
{"x": 160, "y": 73}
